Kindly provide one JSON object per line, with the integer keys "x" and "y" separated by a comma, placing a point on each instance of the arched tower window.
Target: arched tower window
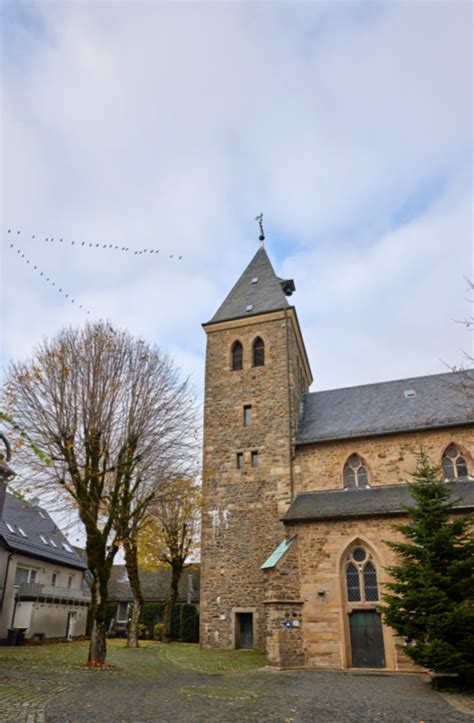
{"x": 237, "y": 356}
{"x": 454, "y": 464}
{"x": 258, "y": 352}
{"x": 355, "y": 473}
{"x": 361, "y": 576}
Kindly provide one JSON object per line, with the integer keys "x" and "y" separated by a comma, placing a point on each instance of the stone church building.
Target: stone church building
{"x": 301, "y": 489}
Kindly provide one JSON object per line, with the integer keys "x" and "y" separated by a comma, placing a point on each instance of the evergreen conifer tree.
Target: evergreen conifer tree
{"x": 430, "y": 602}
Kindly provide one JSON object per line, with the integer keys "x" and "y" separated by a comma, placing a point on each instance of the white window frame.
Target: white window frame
{"x": 118, "y": 618}
{"x": 31, "y": 572}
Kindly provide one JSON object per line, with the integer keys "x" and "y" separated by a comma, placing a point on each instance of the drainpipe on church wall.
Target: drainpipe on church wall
{"x": 290, "y": 439}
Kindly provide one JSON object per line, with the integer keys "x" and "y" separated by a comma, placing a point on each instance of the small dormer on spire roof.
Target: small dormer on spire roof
{"x": 259, "y": 290}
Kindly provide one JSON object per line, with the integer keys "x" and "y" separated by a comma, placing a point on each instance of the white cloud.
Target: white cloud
{"x": 172, "y": 125}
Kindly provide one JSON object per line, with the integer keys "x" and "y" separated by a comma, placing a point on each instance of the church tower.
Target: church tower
{"x": 256, "y": 371}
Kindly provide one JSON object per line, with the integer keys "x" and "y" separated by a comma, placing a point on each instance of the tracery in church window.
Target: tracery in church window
{"x": 258, "y": 352}
{"x": 355, "y": 473}
{"x": 361, "y": 576}
{"x": 454, "y": 464}
{"x": 237, "y": 356}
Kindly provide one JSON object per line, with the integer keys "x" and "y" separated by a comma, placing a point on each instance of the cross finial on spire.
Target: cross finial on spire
{"x": 261, "y": 238}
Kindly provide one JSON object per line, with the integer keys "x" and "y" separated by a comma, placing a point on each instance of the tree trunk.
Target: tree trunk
{"x": 98, "y": 645}
{"x": 170, "y": 601}
{"x": 98, "y": 642}
{"x": 100, "y": 566}
{"x": 131, "y": 563}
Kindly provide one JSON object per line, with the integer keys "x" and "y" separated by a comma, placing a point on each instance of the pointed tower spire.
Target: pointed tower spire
{"x": 258, "y": 291}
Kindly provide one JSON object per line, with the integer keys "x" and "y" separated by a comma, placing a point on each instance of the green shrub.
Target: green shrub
{"x": 150, "y": 615}
{"x": 189, "y": 624}
{"x": 143, "y": 632}
{"x": 185, "y": 623}
{"x": 176, "y": 622}
{"x": 158, "y": 631}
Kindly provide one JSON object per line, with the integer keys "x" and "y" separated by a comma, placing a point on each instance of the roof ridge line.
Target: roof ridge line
{"x": 391, "y": 381}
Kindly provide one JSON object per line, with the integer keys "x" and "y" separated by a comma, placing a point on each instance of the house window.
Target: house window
{"x": 237, "y": 356}
{"x": 24, "y": 575}
{"x": 247, "y": 415}
{"x": 43, "y": 540}
{"x": 54, "y": 579}
{"x": 355, "y": 473}
{"x": 254, "y": 459}
{"x": 258, "y": 352}
{"x": 454, "y": 464}
{"x": 361, "y": 577}
{"x": 122, "y": 612}
{"x": 70, "y": 580}
{"x": 240, "y": 460}
{"x": 22, "y": 531}
{"x": 10, "y": 527}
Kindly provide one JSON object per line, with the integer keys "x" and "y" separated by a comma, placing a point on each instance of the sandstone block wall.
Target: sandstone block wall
{"x": 242, "y": 507}
{"x": 321, "y": 557}
{"x": 390, "y": 458}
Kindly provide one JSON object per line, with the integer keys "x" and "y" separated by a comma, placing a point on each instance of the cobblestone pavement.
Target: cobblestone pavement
{"x": 156, "y": 687}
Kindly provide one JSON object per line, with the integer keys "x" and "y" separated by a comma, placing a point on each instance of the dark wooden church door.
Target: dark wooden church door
{"x": 244, "y": 630}
{"x": 366, "y": 639}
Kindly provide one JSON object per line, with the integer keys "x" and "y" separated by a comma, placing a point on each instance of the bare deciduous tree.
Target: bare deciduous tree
{"x": 112, "y": 415}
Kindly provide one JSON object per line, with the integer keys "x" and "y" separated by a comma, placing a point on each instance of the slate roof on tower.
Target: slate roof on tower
{"x": 258, "y": 290}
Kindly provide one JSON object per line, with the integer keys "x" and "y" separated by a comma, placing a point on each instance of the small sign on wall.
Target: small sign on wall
{"x": 291, "y": 623}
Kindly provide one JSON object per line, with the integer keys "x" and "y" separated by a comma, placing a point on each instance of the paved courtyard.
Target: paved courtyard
{"x": 182, "y": 683}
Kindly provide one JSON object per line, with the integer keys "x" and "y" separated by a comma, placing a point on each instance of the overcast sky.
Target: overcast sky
{"x": 171, "y": 125}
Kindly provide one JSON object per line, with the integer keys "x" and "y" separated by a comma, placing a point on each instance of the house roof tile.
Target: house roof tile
{"x": 35, "y": 522}
{"x": 155, "y": 584}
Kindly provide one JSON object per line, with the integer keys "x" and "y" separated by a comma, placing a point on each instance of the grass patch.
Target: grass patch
{"x": 151, "y": 658}
{"x": 192, "y": 657}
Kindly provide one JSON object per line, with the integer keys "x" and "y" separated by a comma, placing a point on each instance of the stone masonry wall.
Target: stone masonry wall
{"x": 321, "y": 553}
{"x": 390, "y": 458}
{"x": 283, "y": 612}
{"x": 242, "y": 507}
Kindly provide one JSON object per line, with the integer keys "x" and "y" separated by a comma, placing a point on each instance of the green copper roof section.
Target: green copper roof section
{"x": 277, "y": 554}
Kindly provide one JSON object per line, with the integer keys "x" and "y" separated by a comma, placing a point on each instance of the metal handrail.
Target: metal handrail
{"x": 39, "y": 590}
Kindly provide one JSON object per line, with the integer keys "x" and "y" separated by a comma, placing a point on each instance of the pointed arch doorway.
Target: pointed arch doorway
{"x": 367, "y": 646}
{"x": 363, "y": 621}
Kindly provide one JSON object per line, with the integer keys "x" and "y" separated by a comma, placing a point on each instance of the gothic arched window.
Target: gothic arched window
{"x": 454, "y": 464}
{"x": 361, "y": 576}
{"x": 237, "y": 356}
{"x": 258, "y": 352}
{"x": 355, "y": 473}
